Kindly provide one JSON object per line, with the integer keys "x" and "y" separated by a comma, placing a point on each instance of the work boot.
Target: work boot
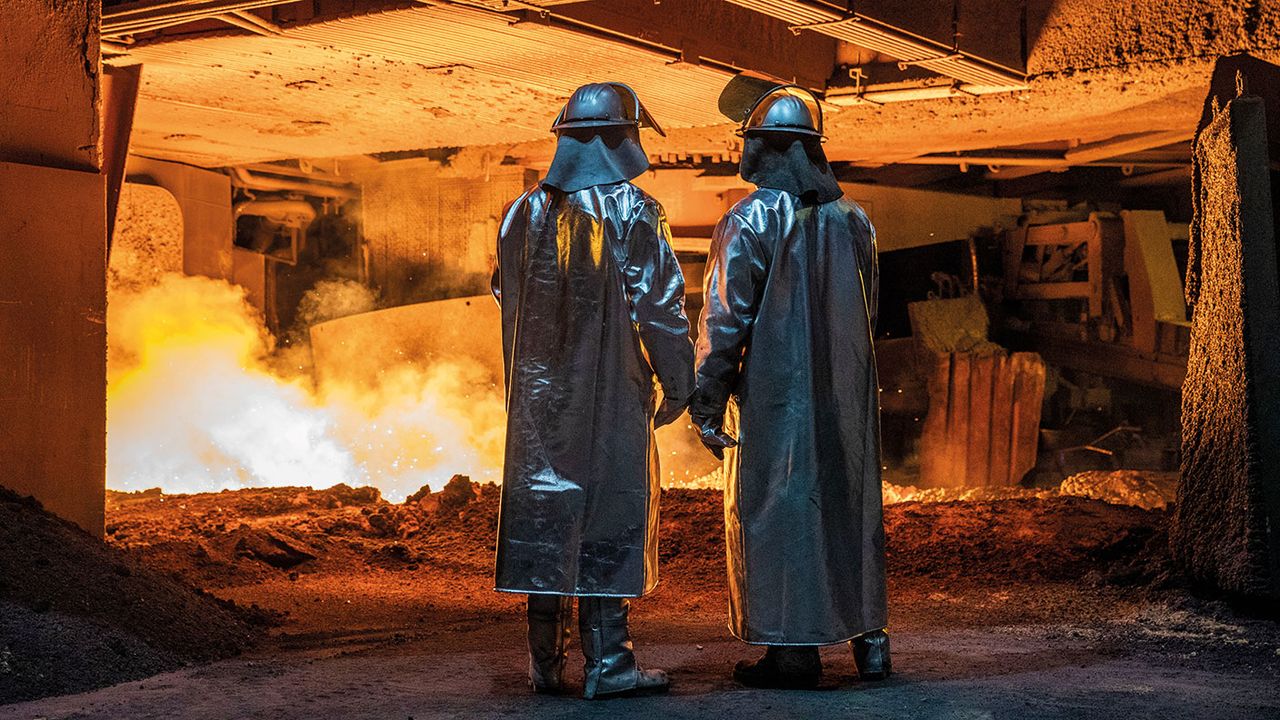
{"x": 783, "y": 667}
{"x": 549, "y": 617}
{"x": 610, "y": 668}
{"x": 871, "y": 655}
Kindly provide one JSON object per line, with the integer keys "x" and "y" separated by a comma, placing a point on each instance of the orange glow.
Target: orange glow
{"x": 198, "y": 400}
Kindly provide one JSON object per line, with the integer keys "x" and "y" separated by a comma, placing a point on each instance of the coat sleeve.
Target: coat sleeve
{"x": 495, "y": 280}
{"x": 736, "y": 272}
{"x": 655, "y": 287}
{"x": 869, "y": 265}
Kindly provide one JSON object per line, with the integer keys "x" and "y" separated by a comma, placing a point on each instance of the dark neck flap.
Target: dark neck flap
{"x": 791, "y": 163}
{"x": 595, "y": 156}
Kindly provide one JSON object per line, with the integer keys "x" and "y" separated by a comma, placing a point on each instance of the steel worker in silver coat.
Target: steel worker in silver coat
{"x": 597, "y": 354}
{"x": 787, "y": 395}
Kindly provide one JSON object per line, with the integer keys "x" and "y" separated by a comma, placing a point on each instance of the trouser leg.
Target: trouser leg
{"x": 549, "y": 617}
{"x": 609, "y": 666}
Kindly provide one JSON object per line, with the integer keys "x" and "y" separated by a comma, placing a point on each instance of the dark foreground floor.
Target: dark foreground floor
{"x": 1043, "y": 671}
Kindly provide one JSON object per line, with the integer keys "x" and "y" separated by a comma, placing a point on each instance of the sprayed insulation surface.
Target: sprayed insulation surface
{"x": 1228, "y": 513}
{"x": 1073, "y": 35}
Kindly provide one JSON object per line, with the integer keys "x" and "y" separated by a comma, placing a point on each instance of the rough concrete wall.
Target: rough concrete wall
{"x": 49, "y": 66}
{"x": 205, "y": 199}
{"x": 53, "y": 350}
{"x": 432, "y": 236}
{"x": 1226, "y": 530}
{"x": 148, "y": 237}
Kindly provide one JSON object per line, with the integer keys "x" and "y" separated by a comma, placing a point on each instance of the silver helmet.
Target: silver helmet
{"x": 786, "y": 108}
{"x": 605, "y": 105}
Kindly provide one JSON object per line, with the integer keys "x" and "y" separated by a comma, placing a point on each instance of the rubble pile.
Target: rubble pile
{"x": 1149, "y": 490}
{"x": 440, "y": 544}
{"x": 77, "y": 614}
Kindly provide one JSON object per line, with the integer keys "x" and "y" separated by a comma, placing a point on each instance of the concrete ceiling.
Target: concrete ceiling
{"x": 409, "y": 79}
{"x": 444, "y": 75}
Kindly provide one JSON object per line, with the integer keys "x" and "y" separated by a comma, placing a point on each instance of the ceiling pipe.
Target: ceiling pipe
{"x": 254, "y": 24}
{"x": 241, "y": 177}
{"x": 291, "y": 213}
{"x": 1043, "y": 162}
{"x": 1104, "y": 150}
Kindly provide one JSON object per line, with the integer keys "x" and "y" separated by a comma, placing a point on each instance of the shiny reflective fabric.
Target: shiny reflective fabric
{"x": 785, "y": 361}
{"x": 593, "y": 326}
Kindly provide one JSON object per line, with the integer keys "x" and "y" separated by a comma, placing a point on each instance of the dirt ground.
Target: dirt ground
{"x": 1041, "y": 607}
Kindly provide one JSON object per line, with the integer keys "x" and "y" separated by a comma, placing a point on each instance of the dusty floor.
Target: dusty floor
{"x": 1017, "y": 608}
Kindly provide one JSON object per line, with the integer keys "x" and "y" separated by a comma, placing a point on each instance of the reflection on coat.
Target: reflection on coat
{"x": 785, "y": 347}
{"x": 593, "y": 325}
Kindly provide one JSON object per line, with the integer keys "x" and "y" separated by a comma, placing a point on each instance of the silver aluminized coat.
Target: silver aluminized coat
{"x": 785, "y": 347}
{"x": 593, "y": 325}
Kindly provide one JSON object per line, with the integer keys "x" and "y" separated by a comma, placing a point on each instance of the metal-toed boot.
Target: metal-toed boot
{"x": 549, "y": 617}
{"x": 782, "y": 667}
{"x": 610, "y": 668}
{"x": 871, "y": 655}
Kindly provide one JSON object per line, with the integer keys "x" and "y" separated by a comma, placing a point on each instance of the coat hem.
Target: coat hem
{"x": 822, "y": 643}
{"x": 571, "y": 593}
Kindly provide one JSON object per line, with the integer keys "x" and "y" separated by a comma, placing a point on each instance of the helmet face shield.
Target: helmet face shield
{"x": 605, "y": 105}
{"x": 786, "y": 108}
{"x": 641, "y": 113}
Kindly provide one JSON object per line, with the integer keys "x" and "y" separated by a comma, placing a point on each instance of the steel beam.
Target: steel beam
{"x": 907, "y": 48}
{"x": 1094, "y": 152}
{"x": 144, "y": 16}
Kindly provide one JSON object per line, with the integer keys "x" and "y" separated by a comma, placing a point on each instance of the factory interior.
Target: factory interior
{"x": 252, "y": 412}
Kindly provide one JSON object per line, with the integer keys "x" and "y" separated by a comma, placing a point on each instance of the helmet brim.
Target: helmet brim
{"x": 780, "y": 129}
{"x": 571, "y": 124}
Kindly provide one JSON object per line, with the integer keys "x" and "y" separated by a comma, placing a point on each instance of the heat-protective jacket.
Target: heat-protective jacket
{"x": 595, "y": 343}
{"x": 785, "y": 363}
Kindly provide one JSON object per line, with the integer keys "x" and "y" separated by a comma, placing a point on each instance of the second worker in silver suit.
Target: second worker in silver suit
{"x": 787, "y": 394}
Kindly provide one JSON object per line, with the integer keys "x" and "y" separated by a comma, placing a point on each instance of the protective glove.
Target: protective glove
{"x": 713, "y": 436}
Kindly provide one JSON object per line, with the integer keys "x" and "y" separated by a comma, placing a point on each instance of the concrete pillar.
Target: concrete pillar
{"x": 1226, "y": 529}
{"x": 53, "y": 244}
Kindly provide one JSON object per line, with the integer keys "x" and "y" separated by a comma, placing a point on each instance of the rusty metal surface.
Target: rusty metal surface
{"x": 119, "y": 99}
{"x": 984, "y": 419}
